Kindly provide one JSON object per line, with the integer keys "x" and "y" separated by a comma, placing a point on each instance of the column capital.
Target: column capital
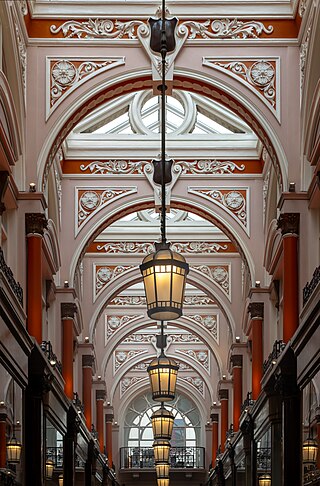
{"x": 35, "y": 223}
{"x": 256, "y": 310}
{"x": 214, "y": 417}
{"x": 68, "y": 310}
{"x": 223, "y": 394}
{"x": 87, "y": 360}
{"x": 100, "y": 394}
{"x": 236, "y": 360}
{"x": 289, "y": 223}
{"x": 109, "y": 417}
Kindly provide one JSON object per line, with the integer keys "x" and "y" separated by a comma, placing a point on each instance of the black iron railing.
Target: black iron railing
{"x": 180, "y": 457}
{"x": 7, "y": 272}
{"x": 277, "y": 349}
{"x": 77, "y": 402}
{"x": 55, "y": 454}
{"x": 248, "y": 402}
{"x": 46, "y": 347}
{"x": 310, "y": 286}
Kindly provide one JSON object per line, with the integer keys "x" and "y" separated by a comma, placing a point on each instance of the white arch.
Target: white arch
{"x": 142, "y": 387}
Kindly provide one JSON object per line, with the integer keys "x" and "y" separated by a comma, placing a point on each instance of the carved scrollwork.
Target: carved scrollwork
{"x": 35, "y": 223}
{"x": 201, "y": 356}
{"x": 104, "y": 274}
{"x": 219, "y": 274}
{"x": 226, "y": 28}
{"x": 98, "y": 29}
{"x": 209, "y": 322}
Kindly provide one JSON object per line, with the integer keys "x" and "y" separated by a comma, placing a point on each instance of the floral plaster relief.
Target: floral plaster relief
{"x": 91, "y": 200}
{"x": 259, "y": 74}
{"x": 64, "y": 75}
{"x": 104, "y": 274}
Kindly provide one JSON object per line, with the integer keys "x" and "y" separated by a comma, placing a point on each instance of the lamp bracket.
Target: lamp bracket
{"x": 161, "y": 341}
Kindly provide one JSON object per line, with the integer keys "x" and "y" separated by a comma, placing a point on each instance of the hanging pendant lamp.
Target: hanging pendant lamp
{"x": 162, "y": 423}
{"x": 161, "y": 449}
{"x": 163, "y": 374}
{"x": 163, "y": 482}
{"x": 49, "y": 469}
{"x": 162, "y": 470}
{"x": 13, "y": 445}
{"x": 165, "y": 271}
{"x": 265, "y": 480}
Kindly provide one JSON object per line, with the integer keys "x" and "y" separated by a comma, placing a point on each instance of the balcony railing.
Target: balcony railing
{"x": 46, "y": 347}
{"x": 310, "y": 286}
{"x": 277, "y": 349}
{"x": 248, "y": 402}
{"x": 180, "y": 457}
{"x": 15, "y": 286}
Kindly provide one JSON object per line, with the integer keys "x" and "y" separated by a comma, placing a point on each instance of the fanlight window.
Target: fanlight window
{"x": 138, "y": 429}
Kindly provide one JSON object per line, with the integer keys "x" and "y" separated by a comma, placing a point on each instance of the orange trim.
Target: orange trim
{"x": 237, "y": 396}
{"x": 257, "y": 357}
{"x": 34, "y": 277}
{"x": 73, "y": 166}
{"x": 67, "y": 356}
{"x": 86, "y": 394}
{"x": 109, "y": 442}
{"x": 282, "y": 28}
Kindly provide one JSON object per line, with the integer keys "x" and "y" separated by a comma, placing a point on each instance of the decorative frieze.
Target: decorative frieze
{"x": 201, "y": 356}
{"x": 115, "y": 167}
{"x": 67, "y": 74}
{"x": 140, "y": 338}
{"x": 142, "y": 366}
{"x": 259, "y": 73}
{"x": 104, "y": 274}
{"x": 91, "y": 200}
{"x": 289, "y": 223}
{"x": 234, "y": 201}
{"x": 304, "y": 48}
{"x": 105, "y": 28}
{"x": 127, "y": 383}
{"x": 219, "y": 274}
{"x": 195, "y": 381}
{"x": 207, "y": 166}
{"x": 122, "y": 357}
{"x": 189, "y": 300}
{"x": 113, "y": 323}
{"x": 188, "y": 247}
{"x": 209, "y": 322}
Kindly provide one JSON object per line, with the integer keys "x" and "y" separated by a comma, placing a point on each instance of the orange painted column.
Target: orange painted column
{"x": 318, "y": 438}
{"x": 3, "y": 440}
{"x": 256, "y": 310}
{"x": 224, "y": 400}
{"x": 289, "y": 224}
{"x": 100, "y": 397}
{"x": 35, "y": 224}
{"x": 109, "y": 420}
{"x": 67, "y": 316}
{"x": 87, "y": 362}
{"x": 236, "y": 360}
{"x": 215, "y": 437}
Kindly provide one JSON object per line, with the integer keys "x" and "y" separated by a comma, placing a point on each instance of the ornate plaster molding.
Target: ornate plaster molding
{"x": 106, "y": 28}
{"x": 66, "y": 74}
{"x": 304, "y": 48}
{"x": 201, "y": 356}
{"x": 122, "y": 357}
{"x": 190, "y": 300}
{"x": 103, "y": 274}
{"x": 191, "y": 247}
{"x": 183, "y": 167}
{"x": 235, "y": 201}
{"x": 91, "y": 200}
{"x": 143, "y": 365}
{"x": 127, "y": 383}
{"x": 208, "y": 322}
{"x": 259, "y": 74}
{"x": 114, "y": 322}
{"x": 22, "y": 53}
{"x": 195, "y": 381}
{"x": 23, "y": 6}
{"x": 219, "y": 274}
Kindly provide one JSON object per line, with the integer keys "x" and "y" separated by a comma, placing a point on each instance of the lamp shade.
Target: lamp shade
{"x": 161, "y": 449}
{"x": 163, "y": 482}
{"x": 162, "y": 470}
{"x": 163, "y": 377}
{"x": 164, "y": 276}
{"x": 49, "y": 469}
{"x": 61, "y": 480}
{"x": 309, "y": 451}
{"x": 162, "y": 424}
{"x": 14, "y": 450}
{"x": 265, "y": 480}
